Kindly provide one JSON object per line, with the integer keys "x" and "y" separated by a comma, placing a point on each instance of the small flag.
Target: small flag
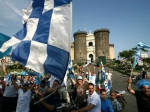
{"x": 138, "y": 53}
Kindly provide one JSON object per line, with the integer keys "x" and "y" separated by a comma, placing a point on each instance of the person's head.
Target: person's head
{"x": 14, "y": 76}
{"x": 103, "y": 94}
{"x": 43, "y": 83}
{"x": 146, "y": 90}
{"x": 82, "y": 73}
{"x": 92, "y": 73}
{"x": 25, "y": 87}
{"x": 79, "y": 80}
{"x": 112, "y": 94}
{"x": 108, "y": 71}
{"x": 144, "y": 86}
{"x": 55, "y": 83}
{"x": 91, "y": 88}
{"x": 26, "y": 78}
{"x": 48, "y": 76}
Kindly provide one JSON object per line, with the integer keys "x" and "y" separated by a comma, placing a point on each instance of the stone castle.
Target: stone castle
{"x": 89, "y": 46}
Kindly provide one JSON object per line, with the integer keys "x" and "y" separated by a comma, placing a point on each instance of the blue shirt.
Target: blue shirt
{"x": 106, "y": 105}
{"x": 116, "y": 105}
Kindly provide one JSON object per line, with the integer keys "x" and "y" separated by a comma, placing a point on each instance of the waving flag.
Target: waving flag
{"x": 138, "y": 53}
{"x": 4, "y": 38}
{"x": 44, "y": 42}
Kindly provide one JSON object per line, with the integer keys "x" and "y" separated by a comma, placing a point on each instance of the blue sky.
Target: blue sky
{"x": 127, "y": 20}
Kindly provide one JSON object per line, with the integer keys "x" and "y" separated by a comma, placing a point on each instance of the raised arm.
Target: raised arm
{"x": 88, "y": 69}
{"x": 49, "y": 90}
{"x": 3, "y": 62}
{"x": 14, "y": 82}
{"x": 73, "y": 81}
{"x": 130, "y": 90}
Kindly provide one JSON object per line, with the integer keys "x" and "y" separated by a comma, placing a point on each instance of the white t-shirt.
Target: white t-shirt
{"x": 92, "y": 78}
{"x": 109, "y": 75}
{"x": 95, "y": 100}
{"x": 23, "y": 103}
{"x": 10, "y": 90}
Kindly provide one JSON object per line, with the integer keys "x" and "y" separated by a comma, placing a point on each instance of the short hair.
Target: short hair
{"x": 112, "y": 91}
{"x": 90, "y": 84}
{"x": 102, "y": 90}
{"x": 57, "y": 81}
{"x": 43, "y": 82}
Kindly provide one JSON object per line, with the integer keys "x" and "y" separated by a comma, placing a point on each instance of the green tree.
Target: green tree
{"x": 126, "y": 54}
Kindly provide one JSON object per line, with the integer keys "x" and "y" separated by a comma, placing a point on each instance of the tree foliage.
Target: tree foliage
{"x": 126, "y": 54}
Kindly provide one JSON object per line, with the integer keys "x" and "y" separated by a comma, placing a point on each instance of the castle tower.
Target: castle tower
{"x": 102, "y": 42}
{"x": 80, "y": 51}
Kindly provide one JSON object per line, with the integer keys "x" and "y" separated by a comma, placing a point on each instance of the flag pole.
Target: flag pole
{"x": 45, "y": 97}
{"x": 131, "y": 72}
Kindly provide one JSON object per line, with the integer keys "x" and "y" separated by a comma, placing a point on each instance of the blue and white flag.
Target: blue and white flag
{"x": 44, "y": 42}
{"x": 3, "y": 39}
{"x": 138, "y": 53}
{"x": 70, "y": 65}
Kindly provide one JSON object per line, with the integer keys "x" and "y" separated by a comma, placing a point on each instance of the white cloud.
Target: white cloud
{"x": 11, "y": 13}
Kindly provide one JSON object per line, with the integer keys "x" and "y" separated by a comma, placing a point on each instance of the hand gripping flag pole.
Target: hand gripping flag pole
{"x": 45, "y": 97}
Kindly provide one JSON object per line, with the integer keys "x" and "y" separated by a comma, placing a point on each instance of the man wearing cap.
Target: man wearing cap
{"x": 81, "y": 91}
{"x": 142, "y": 95}
{"x": 24, "y": 95}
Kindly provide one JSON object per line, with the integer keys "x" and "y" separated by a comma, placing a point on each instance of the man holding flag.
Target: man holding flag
{"x": 44, "y": 42}
{"x": 143, "y": 94}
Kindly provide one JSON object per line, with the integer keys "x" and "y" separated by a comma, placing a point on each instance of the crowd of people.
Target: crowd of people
{"x": 25, "y": 95}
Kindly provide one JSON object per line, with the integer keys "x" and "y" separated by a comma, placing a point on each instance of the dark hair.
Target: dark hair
{"x": 57, "y": 81}
{"x": 43, "y": 82}
{"x": 90, "y": 84}
{"x": 102, "y": 90}
{"x": 112, "y": 91}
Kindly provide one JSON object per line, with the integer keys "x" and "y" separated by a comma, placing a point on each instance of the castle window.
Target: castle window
{"x": 90, "y": 43}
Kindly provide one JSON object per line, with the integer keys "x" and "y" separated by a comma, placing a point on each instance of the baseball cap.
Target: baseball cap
{"x": 26, "y": 84}
{"x": 79, "y": 77}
